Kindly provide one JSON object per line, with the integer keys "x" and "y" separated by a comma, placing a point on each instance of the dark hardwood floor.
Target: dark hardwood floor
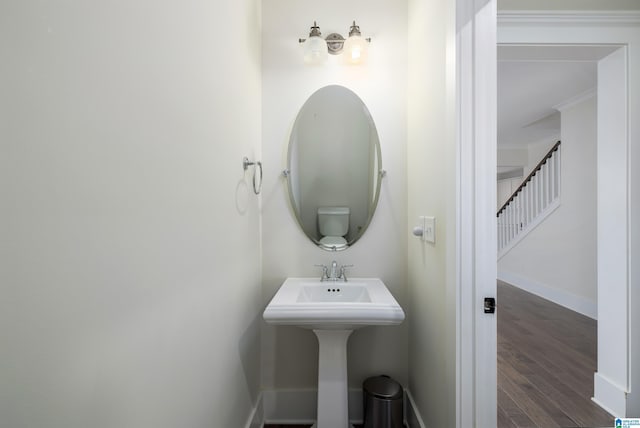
{"x": 546, "y": 361}
{"x": 286, "y": 426}
{"x": 298, "y": 426}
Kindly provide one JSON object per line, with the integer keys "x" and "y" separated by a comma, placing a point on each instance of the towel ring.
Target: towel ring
{"x": 245, "y": 164}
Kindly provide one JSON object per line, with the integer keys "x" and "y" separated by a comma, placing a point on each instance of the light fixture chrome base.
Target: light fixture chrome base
{"x": 335, "y": 43}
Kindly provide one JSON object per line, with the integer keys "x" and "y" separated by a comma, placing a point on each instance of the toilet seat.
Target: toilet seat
{"x": 333, "y": 241}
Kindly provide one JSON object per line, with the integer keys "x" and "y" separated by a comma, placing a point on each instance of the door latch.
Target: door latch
{"x": 489, "y": 305}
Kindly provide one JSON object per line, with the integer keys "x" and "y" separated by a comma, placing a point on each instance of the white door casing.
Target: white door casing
{"x": 476, "y": 258}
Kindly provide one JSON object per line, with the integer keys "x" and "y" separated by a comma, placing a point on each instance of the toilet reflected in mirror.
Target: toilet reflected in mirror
{"x": 333, "y": 225}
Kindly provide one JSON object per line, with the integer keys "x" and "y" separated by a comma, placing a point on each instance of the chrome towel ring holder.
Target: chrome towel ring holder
{"x": 246, "y": 163}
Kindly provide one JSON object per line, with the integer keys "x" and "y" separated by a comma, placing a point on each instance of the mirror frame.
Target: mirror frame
{"x": 379, "y": 173}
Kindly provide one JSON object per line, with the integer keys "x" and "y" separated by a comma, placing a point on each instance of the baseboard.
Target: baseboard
{"x": 412, "y": 417}
{"x": 299, "y": 406}
{"x": 256, "y": 419}
{"x": 610, "y": 396}
{"x": 290, "y": 406}
{"x": 578, "y": 304}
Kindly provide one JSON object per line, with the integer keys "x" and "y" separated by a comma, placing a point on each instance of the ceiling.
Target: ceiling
{"x": 533, "y": 84}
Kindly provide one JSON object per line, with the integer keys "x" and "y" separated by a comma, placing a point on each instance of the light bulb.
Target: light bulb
{"x": 355, "y": 50}
{"x": 355, "y": 47}
{"x": 315, "y": 47}
{"x": 356, "y": 53}
{"x": 315, "y": 50}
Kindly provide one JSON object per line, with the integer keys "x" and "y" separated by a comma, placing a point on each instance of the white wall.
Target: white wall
{"x": 512, "y": 157}
{"x": 565, "y": 243}
{"x": 505, "y": 189}
{"x": 129, "y": 257}
{"x": 431, "y": 176}
{"x": 536, "y": 151}
{"x": 289, "y": 353}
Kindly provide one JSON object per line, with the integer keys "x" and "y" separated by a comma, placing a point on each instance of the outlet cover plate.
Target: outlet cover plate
{"x": 429, "y": 233}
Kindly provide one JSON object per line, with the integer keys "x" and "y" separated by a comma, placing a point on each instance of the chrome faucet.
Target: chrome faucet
{"x": 333, "y": 273}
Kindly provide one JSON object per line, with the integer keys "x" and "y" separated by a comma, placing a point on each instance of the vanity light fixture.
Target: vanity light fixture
{"x": 316, "y": 48}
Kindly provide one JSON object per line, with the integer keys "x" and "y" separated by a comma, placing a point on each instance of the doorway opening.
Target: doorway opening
{"x": 548, "y": 281}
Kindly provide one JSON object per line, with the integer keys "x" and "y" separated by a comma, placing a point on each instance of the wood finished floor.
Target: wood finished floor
{"x": 296, "y": 426}
{"x": 546, "y": 361}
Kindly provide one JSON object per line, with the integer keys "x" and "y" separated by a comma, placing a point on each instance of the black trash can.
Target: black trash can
{"x": 383, "y": 403}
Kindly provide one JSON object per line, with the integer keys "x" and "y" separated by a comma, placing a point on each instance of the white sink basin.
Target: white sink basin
{"x": 311, "y": 303}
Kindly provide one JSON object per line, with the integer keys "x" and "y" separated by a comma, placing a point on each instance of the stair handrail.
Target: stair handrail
{"x": 530, "y": 176}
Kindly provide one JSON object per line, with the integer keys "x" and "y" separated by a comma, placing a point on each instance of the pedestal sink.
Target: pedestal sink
{"x": 333, "y": 309}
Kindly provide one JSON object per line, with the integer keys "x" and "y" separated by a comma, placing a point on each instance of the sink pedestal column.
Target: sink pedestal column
{"x": 333, "y": 405}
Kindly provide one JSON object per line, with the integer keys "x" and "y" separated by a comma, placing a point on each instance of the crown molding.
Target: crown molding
{"x": 550, "y": 140}
{"x": 577, "y": 99}
{"x": 569, "y": 17}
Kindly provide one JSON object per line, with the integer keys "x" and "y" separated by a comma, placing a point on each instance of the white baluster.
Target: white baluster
{"x": 559, "y": 175}
{"x": 514, "y": 216}
{"x": 547, "y": 180}
{"x": 540, "y": 191}
{"x": 534, "y": 189}
{"x": 550, "y": 184}
{"x": 541, "y": 180}
{"x": 529, "y": 211}
{"x": 500, "y": 232}
{"x": 546, "y": 184}
{"x": 525, "y": 207}
{"x": 508, "y": 220}
{"x": 552, "y": 178}
{"x": 528, "y": 203}
{"x": 519, "y": 219}
{"x": 511, "y": 235}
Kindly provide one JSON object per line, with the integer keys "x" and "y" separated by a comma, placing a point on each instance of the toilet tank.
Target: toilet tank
{"x": 333, "y": 221}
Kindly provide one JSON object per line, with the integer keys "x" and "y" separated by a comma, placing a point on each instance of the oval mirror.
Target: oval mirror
{"x": 334, "y": 168}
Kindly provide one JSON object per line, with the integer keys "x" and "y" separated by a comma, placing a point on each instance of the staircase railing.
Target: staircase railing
{"x": 533, "y": 200}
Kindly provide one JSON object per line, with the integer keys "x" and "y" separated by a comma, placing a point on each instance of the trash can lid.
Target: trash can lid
{"x": 383, "y": 387}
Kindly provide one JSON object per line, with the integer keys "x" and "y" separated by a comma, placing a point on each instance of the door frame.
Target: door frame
{"x": 476, "y": 229}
